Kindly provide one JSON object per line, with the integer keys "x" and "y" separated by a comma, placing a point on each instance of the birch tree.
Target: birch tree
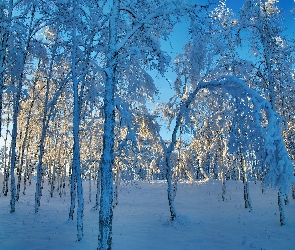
{"x": 24, "y": 47}
{"x": 263, "y": 19}
{"x": 145, "y": 25}
{"x": 207, "y": 55}
{"x": 199, "y": 70}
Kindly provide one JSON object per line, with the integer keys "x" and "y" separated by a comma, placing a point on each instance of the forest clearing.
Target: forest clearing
{"x": 141, "y": 220}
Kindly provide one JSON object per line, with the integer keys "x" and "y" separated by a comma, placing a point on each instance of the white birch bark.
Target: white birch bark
{"x": 222, "y": 148}
{"x": 16, "y": 106}
{"x": 184, "y": 106}
{"x": 281, "y": 208}
{"x": 6, "y": 23}
{"x": 107, "y": 159}
{"x": 6, "y": 159}
{"x": 45, "y": 120}
{"x": 13, "y": 160}
{"x": 76, "y": 164}
{"x": 267, "y": 43}
{"x": 24, "y": 143}
{"x": 98, "y": 189}
{"x": 247, "y": 200}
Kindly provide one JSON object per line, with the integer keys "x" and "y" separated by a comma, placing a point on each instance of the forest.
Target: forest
{"x": 80, "y": 107}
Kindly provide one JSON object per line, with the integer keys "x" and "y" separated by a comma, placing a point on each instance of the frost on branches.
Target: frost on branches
{"x": 261, "y": 134}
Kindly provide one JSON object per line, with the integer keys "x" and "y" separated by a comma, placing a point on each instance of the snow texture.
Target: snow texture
{"x": 142, "y": 219}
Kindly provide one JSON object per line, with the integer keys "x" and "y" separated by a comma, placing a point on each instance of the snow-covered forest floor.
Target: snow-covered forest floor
{"x": 141, "y": 219}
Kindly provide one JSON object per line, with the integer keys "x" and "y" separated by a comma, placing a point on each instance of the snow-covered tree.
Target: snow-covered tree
{"x": 198, "y": 68}
{"x": 208, "y": 54}
{"x": 134, "y": 26}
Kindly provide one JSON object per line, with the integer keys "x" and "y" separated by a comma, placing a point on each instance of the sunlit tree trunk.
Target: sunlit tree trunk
{"x": 27, "y": 172}
{"x": 24, "y": 143}
{"x": 91, "y": 159}
{"x": 16, "y": 106}
{"x": 44, "y": 127}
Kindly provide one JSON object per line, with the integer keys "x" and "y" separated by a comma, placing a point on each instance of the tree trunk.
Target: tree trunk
{"x": 184, "y": 105}
{"x": 73, "y": 194}
{"x": 76, "y": 164}
{"x": 19, "y": 172}
{"x": 90, "y": 168}
{"x": 223, "y": 189}
{"x": 106, "y": 199}
{"x": 51, "y": 177}
{"x": 13, "y": 152}
{"x": 107, "y": 178}
{"x": 3, "y": 49}
{"x": 117, "y": 182}
{"x": 27, "y": 173}
{"x": 16, "y": 106}
{"x": 24, "y": 144}
{"x": 41, "y": 151}
{"x": 107, "y": 159}
{"x": 5, "y": 163}
{"x": 98, "y": 189}
{"x": 44, "y": 127}
{"x": 246, "y": 194}
{"x": 246, "y": 184}
{"x": 281, "y": 208}
{"x": 89, "y": 185}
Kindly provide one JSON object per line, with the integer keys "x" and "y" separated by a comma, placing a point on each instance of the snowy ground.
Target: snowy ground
{"x": 141, "y": 220}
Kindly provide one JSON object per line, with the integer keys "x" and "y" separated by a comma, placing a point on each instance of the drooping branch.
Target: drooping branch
{"x": 279, "y": 167}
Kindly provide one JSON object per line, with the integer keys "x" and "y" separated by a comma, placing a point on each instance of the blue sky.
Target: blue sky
{"x": 180, "y": 36}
